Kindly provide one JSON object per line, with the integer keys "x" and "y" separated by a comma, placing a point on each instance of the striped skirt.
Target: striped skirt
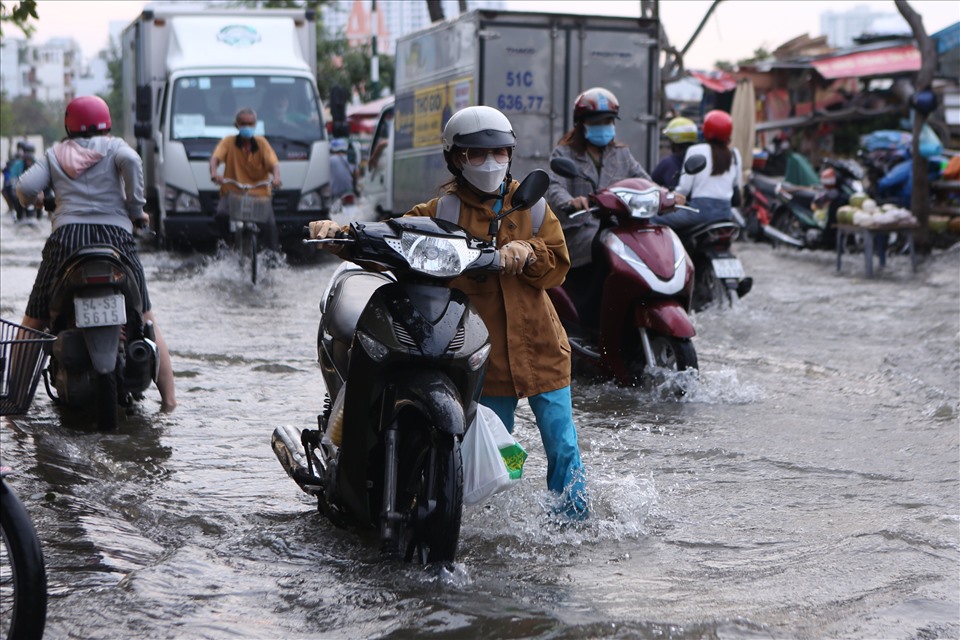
{"x": 67, "y": 239}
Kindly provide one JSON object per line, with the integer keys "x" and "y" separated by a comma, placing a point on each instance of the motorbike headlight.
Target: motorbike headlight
{"x": 310, "y": 200}
{"x": 441, "y": 257}
{"x": 478, "y": 357}
{"x": 642, "y": 204}
{"x": 178, "y": 201}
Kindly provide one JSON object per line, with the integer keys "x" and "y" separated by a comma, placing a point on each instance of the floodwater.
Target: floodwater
{"x": 806, "y": 487}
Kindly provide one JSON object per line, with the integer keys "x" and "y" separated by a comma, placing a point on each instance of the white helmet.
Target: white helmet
{"x": 478, "y": 127}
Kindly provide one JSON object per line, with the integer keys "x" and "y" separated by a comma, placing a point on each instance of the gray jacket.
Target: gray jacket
{"x": 616, "y": 164}
{"x": 95, "y": 180}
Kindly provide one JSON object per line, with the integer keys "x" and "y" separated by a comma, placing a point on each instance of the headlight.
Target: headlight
{"x": 441, "y": 257}
{"x": 642, "y": 204}
{"x": 177, "y": 201}
{"x": 310, "y": 200}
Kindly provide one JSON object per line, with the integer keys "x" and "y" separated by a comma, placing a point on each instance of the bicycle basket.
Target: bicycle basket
{"x": 23, "y": 352}
{"x": 246, "y": 208}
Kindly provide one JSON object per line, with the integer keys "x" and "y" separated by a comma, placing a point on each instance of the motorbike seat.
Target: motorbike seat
{"x": 715, "y": 231}
{"x": 803, "y": 196}
{"x": 348, "y": 297}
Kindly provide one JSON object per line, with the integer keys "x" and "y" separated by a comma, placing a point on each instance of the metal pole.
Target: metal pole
{"x": 375, "y": 60}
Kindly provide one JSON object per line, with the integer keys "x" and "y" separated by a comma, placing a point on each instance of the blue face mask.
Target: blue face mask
{"x": 600, "y": 135}
{"x": 247, "y": 132}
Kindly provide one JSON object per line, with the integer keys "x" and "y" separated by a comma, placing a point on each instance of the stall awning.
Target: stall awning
{"x": 879, "y": 62}
{"x": 719, "y": 81}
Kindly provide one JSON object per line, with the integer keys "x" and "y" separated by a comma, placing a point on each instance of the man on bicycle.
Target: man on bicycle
{"x": 247, "y": 159}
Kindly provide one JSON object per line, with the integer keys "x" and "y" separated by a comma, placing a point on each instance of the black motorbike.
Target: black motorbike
{"x": 105, "y": 355}
{"x": 719, "y": 277}
{"x": 403, "y": 357}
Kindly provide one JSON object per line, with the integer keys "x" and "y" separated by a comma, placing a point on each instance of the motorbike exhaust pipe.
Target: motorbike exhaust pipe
{"x": 775, "y": 234}
{"x": 286, "y": 446}
{"x": 143, "y": 362}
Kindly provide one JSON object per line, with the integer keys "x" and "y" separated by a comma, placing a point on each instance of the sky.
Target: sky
{"x": 735, "y": 30}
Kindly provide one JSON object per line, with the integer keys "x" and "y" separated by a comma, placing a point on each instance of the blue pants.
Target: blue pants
{"x": 554, "y": 413}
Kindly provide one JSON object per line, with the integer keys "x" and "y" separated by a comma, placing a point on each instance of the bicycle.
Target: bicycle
{"x": 23, "y": 577}
{"x": 247, "y": 213}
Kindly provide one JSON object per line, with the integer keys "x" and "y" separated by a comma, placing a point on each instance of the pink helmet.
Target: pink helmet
{"x": 86, "y": 115}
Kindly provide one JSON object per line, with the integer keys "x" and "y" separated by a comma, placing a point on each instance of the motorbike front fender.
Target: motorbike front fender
{"x": 435, "y": 396}
{"x": 103, "y": 344}
{"x": 666, "y": 317}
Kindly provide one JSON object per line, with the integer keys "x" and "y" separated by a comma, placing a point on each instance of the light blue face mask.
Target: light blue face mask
{"x": 247, "y": 132}
{"x": 600, "y": 135}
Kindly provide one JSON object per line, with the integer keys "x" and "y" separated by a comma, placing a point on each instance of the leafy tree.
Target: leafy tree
{"x": 20, "y": 15}
{"x": 25, "y": 115}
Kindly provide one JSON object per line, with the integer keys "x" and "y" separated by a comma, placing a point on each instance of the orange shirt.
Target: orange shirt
{"x": 246, "y": 167}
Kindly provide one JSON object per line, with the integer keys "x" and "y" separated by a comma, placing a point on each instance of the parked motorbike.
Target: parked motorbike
{"x": 647, "y": 285}
{"x": 784, "y": 214}
{"x": 403, "y": 357}
{"x": 105, "y": 355}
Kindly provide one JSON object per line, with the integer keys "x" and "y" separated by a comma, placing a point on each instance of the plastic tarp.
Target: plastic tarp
{"x": 718, "y": 81}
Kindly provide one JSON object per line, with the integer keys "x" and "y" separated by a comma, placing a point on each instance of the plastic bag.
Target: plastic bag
{"x": 492, "y": 459}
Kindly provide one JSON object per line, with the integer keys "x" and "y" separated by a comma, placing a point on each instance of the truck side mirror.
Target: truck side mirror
{"x": 143, "y": 130}
{"x": 144, "y": 109}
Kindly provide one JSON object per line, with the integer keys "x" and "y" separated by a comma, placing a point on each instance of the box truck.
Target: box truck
{"x": 531, "y": 66}
{"x": 187, "y": 70}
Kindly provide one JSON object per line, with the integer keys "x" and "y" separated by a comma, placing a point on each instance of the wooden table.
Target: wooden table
{"x": 868, "y": 233}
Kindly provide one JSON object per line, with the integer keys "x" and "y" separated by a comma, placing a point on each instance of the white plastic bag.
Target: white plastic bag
{"x": 492, "y": 459}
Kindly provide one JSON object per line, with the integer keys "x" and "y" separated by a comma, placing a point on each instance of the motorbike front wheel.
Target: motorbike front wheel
{"x": 434, "y": 493}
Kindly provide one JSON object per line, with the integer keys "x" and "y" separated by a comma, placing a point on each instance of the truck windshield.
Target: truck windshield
{"x": 206, "y": 107}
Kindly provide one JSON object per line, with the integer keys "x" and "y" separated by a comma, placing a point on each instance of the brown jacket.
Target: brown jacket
{"x": 530, "y": 353}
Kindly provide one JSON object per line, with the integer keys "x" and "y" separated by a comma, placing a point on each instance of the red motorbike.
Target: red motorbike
{"x": 643, "y": 286}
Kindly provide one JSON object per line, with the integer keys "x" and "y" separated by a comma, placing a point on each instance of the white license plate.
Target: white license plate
{"x": 728, "y": 268}
{"x": 103, "y": 311}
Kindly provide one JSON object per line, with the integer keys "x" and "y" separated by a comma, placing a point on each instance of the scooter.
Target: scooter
{"x": 647, "y": 285}
{"x": 784, "y": 214}
{"x": 720, "y": 277}
{"x": 105, "y": 354}
{"x": 403, "y": 357}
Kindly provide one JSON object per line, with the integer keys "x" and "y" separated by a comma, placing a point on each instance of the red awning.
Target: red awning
{"x": 719, "y": 81}
{"x": 881, "y": 62}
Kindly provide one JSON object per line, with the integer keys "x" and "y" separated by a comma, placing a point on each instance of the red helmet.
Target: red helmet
{"x": 595, "y": 103}
{"x": 87, "y": 114}
{"x": 718, "y": 126}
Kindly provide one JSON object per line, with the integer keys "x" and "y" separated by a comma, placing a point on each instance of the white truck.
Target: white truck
{"x": 531, "y": 66}
{"x": 187, "y": 69}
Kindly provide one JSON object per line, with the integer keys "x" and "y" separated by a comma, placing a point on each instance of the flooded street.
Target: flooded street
{"x": 807, "y": 487}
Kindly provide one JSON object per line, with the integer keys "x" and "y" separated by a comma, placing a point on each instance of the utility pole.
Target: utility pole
{"x": 375, "y": 60}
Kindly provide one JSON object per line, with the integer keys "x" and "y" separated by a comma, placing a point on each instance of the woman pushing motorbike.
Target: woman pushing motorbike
{"x": 98, "y": 182}
{"x": 530, "y": 355}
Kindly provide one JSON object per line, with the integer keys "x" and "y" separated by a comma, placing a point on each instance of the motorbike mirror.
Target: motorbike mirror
{"x": 694, "y": 164}
{"x": 527, "y": 194}
{"x": 564, "y": 167}
{"x": 567, "y": 168}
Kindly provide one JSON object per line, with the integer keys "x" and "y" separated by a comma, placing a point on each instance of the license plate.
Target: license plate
{"x": 102, "y": 311}
{"x": 728, "y": 268}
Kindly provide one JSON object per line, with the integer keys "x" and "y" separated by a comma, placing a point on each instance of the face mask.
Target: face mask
{"x": 487, "y": 177}
{"x": 247, "y": 132}
{"x": 600, "y": 135}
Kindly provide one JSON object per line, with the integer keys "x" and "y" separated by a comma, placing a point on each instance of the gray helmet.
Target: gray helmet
{"x": 478, "y": 127}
